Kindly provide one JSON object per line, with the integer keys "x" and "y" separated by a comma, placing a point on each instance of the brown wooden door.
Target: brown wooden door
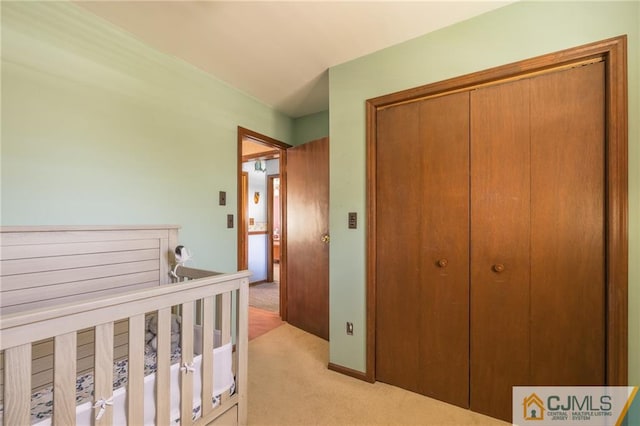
{"x": 500, "y": 243}
{"x": 568, "y": 227}
{"x": 307, "y": 174}
{"x": 422, "y": 310}
{"x": 537, "y": 236}
{"x": 398, "y": 245}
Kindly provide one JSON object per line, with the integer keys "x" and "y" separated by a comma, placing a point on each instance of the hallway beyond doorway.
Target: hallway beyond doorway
{"x": 266, "y": 295}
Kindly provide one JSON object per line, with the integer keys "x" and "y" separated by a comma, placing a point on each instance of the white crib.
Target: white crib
{"x": 74, "y": 300}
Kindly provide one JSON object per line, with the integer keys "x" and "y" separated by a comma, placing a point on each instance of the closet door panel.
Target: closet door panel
{"x": 444, "y": 350}
{"x": 398, "y": 244}
{"x": 568, "y": 239}
{"x": 500, "y": 215}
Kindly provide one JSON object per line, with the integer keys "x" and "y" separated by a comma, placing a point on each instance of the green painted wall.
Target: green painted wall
{"x": 310, "y": 127}
{"x": 515, "y": 32}
{"x": 98, "y": 128}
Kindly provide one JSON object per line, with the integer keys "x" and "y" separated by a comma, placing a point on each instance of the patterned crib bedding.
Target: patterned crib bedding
{"x": 42, "y": 400}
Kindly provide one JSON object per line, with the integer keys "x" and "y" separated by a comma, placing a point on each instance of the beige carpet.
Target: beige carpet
{"x": 289, "y": 384}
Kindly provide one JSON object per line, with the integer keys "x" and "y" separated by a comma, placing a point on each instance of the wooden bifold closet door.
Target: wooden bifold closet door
{"x": 491, "y": 240}
{"x": 423, "y": 227}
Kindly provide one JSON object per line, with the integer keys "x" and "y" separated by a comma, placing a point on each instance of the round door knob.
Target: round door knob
{"x": 498, "y": 267}
{"x": 443, "y": 263}
{"x": 325, "y": 238}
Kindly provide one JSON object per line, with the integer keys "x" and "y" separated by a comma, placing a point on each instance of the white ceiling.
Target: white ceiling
{"x": 279, "y": 51}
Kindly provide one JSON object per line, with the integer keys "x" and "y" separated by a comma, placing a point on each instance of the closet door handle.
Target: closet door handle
{"x": 498, "y": 267}
{"x": 442, "y": 263}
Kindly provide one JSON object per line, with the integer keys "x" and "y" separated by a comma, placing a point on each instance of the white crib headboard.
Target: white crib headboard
{"x": 43, "y": 266}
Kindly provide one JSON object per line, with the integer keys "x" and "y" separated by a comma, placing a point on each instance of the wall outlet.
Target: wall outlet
{"x": 349, "y": 328}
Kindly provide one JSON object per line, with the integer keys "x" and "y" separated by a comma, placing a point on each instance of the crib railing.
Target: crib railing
{"x": 197, "y": 299}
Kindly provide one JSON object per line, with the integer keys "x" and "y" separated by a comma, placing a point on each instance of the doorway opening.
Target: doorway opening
{"x": 262, "y": 226}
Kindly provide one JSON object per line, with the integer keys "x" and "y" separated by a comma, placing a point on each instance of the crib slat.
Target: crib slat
{"x": 135, "y": 380}
{"x": 57, "y": 263}
{"x": 64, "y": 381}
{"x": 225, "y": 326}
{"x": 243, "y": 349}
{"x": 162, "y": 374}
{"x": 186, "y": 382}
{"x": 41, "y": 279}
{"x": 103, "y": 373}
{"x": 29, "y": 251}
{"x": 207, "y": 356}
{"x": 17, "y": 379}
{"x": 35, "y": 297}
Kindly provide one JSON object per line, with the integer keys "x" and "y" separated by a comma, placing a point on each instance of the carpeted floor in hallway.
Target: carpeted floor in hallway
{"x": 265, "y": 296}
{"x": 289, "y": 384}
{"x": 264, "y": 306}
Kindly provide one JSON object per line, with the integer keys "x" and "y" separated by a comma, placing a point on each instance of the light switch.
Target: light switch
{"x": 353, "y": 220}
{"x": 222, "y": 198}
